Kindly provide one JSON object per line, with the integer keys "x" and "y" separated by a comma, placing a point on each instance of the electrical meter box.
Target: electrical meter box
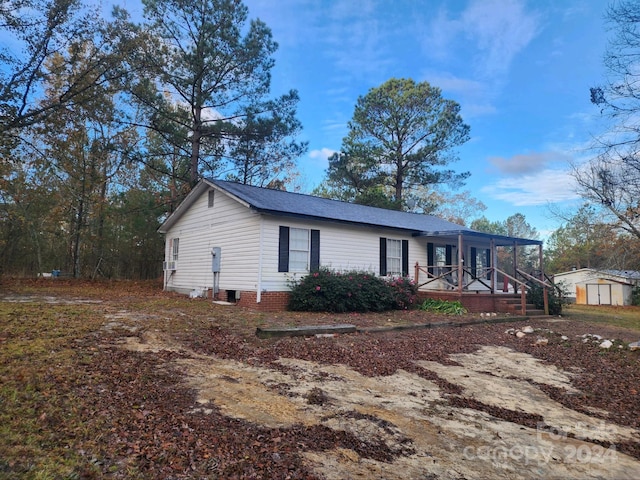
{"x": 215, "y": 259}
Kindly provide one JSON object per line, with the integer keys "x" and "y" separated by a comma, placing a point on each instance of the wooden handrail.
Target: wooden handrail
{"x": 518, "y": 283}
{"x": 542, "y": 283}
{"x": 431, "y": 277}
{"x": 523, "y": 290}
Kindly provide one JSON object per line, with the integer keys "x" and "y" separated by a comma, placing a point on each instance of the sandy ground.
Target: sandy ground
{"x": 411, "y": 416}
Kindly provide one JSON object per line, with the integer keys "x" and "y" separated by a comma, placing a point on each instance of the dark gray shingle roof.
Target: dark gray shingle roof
{"x": 631, "y": 274}
{"x": 278, "y": 202}
{"x": 288, "y": 203}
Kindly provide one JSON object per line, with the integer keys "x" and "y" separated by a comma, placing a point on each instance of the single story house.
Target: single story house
{"x": 590, "y": 286}
{"x": 246, "y": 244}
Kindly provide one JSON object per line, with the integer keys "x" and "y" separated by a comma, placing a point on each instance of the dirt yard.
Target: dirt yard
{"x": 183, "y": 389}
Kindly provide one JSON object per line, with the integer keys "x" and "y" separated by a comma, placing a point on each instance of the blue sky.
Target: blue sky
{"x": 520, "y": 69}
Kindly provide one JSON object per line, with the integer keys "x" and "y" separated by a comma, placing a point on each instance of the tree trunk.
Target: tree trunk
{"x": 195, "y": 155}
{"x": 99, "y": 241}
{"x": 75, "y": 254}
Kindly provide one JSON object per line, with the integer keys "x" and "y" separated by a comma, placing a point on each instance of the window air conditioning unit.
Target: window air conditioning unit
{"x": 171, "y": 266}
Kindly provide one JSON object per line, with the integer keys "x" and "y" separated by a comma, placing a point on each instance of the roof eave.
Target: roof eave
{"x": 501, "y": 240}
{"x": 280, "y": 213}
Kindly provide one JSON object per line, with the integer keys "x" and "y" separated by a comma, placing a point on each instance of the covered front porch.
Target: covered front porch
{"x": 485, "y": 272}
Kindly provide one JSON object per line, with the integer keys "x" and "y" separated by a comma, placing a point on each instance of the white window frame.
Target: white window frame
{"x": 298, "y": 250}
{"x": 394, "y": 246}
{"x": 175, "y": 247}
{"x": 440, "y": 258}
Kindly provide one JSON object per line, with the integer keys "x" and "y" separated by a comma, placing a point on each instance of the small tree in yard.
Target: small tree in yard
{"x": 556, "y": 298}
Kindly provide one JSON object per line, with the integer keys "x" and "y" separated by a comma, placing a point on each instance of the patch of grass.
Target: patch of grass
{"x": 443, "y": 306}
{"x": 40, "y": 420}
{"x": 626, "y": 317}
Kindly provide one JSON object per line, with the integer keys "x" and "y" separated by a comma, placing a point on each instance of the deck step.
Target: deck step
{"x": 511, "y": 301}
{"x": 514, "y": 305}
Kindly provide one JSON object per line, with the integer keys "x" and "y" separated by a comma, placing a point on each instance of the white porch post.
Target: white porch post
{"x": 460, "y": 260}
{"x": 515, "y": 266}
{"x": 545, "y": 292}
{"x": 493, "y": 265}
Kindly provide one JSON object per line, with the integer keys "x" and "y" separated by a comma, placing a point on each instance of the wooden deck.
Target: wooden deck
{"x": 484, "y": 301}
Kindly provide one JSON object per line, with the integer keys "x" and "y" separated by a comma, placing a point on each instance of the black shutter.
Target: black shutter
{"x": 383, "y": 256}
{"x": 314, "y": 262}
{"x": 430, "y": 258}
{"x": 405, "y": 258}
{"x": 283, "y": 250}
{"x": 474, "y": 261}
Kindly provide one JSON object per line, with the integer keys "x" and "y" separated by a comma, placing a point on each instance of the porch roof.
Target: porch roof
{"x": 500, "y": 240}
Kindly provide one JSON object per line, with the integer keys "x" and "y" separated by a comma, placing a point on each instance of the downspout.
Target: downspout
{"x": 460, "y": 260}
{"x": 165, "y": 278}
{"x": 259, "y": 284}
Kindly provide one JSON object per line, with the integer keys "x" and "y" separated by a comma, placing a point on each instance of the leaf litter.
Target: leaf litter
{"x": 409, "y": 415}
{"x": 169, "y": 394}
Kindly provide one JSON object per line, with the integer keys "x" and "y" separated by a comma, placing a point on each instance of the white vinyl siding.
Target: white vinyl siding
{"x": 229, "y": 225}
{"x": 247, "y": 238}
{"x": 394, "y": 257}
{"x": 342, "y": 248}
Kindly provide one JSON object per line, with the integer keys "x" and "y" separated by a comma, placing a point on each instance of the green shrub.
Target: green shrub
{"x": 635, "y": 296}
{"x": 443, "y": 306}
{"x": 404, "y": 291}
{"x": 556, "y": 299}
{"x": 328, "y": 291}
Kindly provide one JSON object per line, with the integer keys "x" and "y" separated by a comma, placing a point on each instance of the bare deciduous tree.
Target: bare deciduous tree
{"x": 612, "y": 178}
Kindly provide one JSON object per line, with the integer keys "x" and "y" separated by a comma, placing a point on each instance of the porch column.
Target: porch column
{"x": 460, "y": 260}
{"x": 545, "y": 292}
{"x": 493, "y": 264}
{"x": 515, "y": 266}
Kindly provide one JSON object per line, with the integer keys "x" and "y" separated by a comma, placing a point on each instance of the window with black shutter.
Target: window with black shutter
{"x": 298, "y": 249}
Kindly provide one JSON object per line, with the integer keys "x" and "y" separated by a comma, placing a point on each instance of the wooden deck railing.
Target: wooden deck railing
{"x": 448, "y": 274}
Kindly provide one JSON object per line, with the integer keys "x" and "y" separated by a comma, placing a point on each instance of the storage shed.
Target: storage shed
{"x": 588, "y": 286}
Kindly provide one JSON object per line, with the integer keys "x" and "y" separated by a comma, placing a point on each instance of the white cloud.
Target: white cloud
{"x": 322, "y": 155}
{"x": 472, "y": 95}
{"x": 527, "y": 163}
{"x": 544, "y": 187}
{"x": 453, "y": 84}
{"x": 317, "y": 162}
{"x": 493, "y": 31}
{"x": 501, "y": 28}
{"x": 356, "y": 38}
